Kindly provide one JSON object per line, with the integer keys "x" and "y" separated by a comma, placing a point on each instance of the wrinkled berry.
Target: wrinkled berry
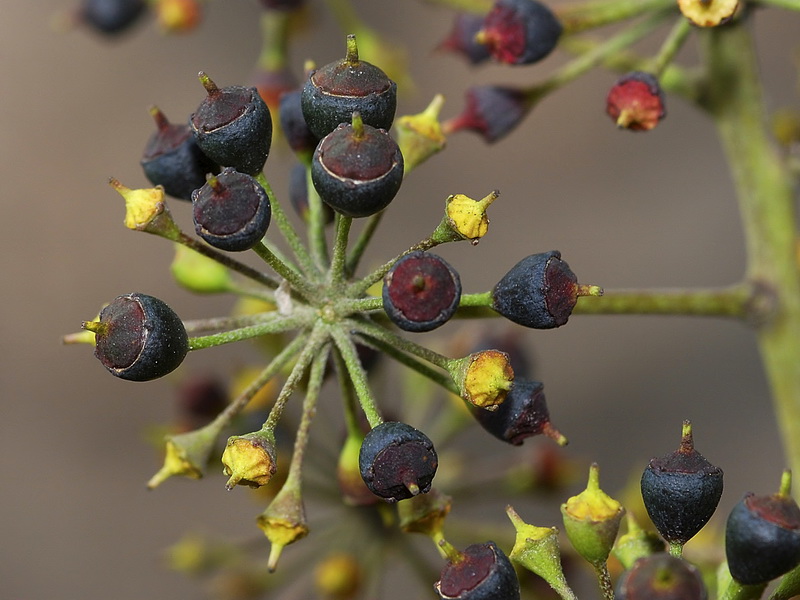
{"x": 111, "y": 16}
{"x": 139, "y": 338}
{"x": 540, "y": 291}
{"x": 231, "y": 211}
{"x": 357, "y": 169}
{"x": 484, "y": 572}
{"x": 661, "y": 576}
{"x": 173, "y": 159}
{"x": 520, "y": 32}
{"x": 334, "y": 92}
{"x": 522, "y": 414}
{"x": 762, "y": 538}
{"x": 233, "y": 127}
{"x": 461, "y": 38}
{"x": 492, "y": 111}
{"x": 397, "y": 461}
{"x": 421, "y": 292}
{"x": 681, "y": 491}
{"x": 636, "y": 102}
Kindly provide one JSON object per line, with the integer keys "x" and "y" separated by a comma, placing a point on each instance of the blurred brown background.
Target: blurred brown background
{"x": 626, "y": 210}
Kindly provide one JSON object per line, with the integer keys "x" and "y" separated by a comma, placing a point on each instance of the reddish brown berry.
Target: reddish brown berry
{"x": 636, "y": 102}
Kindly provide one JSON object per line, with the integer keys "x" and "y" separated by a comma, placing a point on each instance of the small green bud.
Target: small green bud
{"x": 636, "y": 543}
{"x": 537, "y": 549}
{"x": 592, "y": 519}
{"x": 198, "y": 273}
{"x": 250, "y": 459}
{"x": 354, "y": 490}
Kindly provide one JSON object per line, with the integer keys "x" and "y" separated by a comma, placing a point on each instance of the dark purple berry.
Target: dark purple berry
{"x": 520, "y": 32}
{"x": 298, "y": 194}
{"x": 397, "y": 461}
{"x": 483, "y": 572}
{"x": 521, "y": 415}
{"x": 540, "y": 291}
{"x": 661, "y": 576}
{"x": 334, "y": 92}
{"x": 762, "y": 538}
{"x": 173, "y": 159}
{"x": 357, "y": 169}
{"x": 231, "y": 211}
{"x": 293, "y": 124}
{"x": 681, "y": 491}
{"x": 199, "y": 399}
{"x": 636, "y": 102}
{"x": 111, "y": 16}
{"x": 233, "y": 127}
{"x": 139, "y": 338}
{"x": 492, "y": 111}
{"x": 421, "y": 292}
{"x": 461, "y": 38}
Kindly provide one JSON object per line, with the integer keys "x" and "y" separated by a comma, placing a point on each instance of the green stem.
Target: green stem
{"x": 357, "y": 375}
{"x": 275, "y": 39}
{"x": 479, "y": 299}
{"x": 674, "y": 42}
{"x": 318, "y": 244}
{"x": 348, "y": 396}
{"x": 788, "y": 4}
{"x": 289, "y": 234}
{"x": 789, "y": 586}
{"x": 388, "y": 337}
{"x": 589, "y": 14}
{"x": 336, "y": 272}
{"x": 604, "y": 580}
{"x": 766, "y": 199}
{"x": 363, "y": 240}
{"x": 297, "y": 282}
{"x": 739, "y": 591}
{"x": 272, "y": 323}
{"x": 217, "y": 323}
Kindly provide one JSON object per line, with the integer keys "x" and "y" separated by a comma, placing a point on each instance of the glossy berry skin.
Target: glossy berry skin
{"x": 231, "y": 211}
{"x": 173, "y": 159}
{"x": 357, "y": 175}
{"x": 395, "y": 457}
{"x": 762, "y": 538}
{"x": 681, "y": 491}
{"x": 521, "y": 415}
{"x": 140, "y": 338}
{"x": 661, "y": 576}
{"x": 233, "y": 127}
{"x": 520, "y": 32}
{"x": 421, "y": 292}
{"x": 111, "y": 16}
{"x": 332, "y": 93}
{"x": 485, "y": 573}
{"x": 539, "y": 291}
{"x": 492, "y": 111}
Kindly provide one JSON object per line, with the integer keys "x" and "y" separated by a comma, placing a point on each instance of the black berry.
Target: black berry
{"x": 173, "y": 159}
{"x": 681, "y": 491}
{"x": 520, "y": 32}
{"x": 293, "y": 124}
{"x": 357, "y": 169}
{"x": 334, "y": 92}
{"x": 762, "y": 538}
{"x": 492, "y": 111}
{"x": 483, "y": 572}
{"x": 421, "y": 292}
{"x": 231, "y": 211}
{"x": 397, "y": 461}
{"x": 139, "y": 338}
{"x": 461, "y": 38}
{"x": 661, "y": 576}
{"x": 233, "y": 127}
{"x": 540, "y": 291}
{"x": 521, "y": 415}
{"x": 111, "y": 16}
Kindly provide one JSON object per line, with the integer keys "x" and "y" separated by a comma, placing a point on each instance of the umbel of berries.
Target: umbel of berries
{"x": 480, "y": 572}
{"x": 173, "y": 159}
{"x": 520, "y": 32}
{"x": 540, "y": 291}
{"x": 661, "y": 576}
{"x": 762, "y": 536}
{"x": 421, "y": 292}
{"x": 334, "y": 92}
{"x": 681, "y": 491}
{"x": 231, "y": 211}
{"x": 397, "y": 461}
{"x": 233, "y": 126}
{"x": 636, "y": 102}
{"x": 521, "y": 415}
{"x": 139, "y": 337}
{"x": 357, "y": 169}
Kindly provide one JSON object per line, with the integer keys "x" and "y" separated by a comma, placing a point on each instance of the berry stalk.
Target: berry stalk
{"x": 590, "y": 14}
{"x": 357, "y": 374}
{"x": 270, "y": 323}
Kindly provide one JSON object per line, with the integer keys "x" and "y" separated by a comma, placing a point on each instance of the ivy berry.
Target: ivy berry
{"x": 421, "y": 292}
{"x": 480, "y": 572}
{"x": 139, "y": 338}
{"x": 111, "y": 16}
{"x": 397, "y": 461}
{"x": 520, "y": 32}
